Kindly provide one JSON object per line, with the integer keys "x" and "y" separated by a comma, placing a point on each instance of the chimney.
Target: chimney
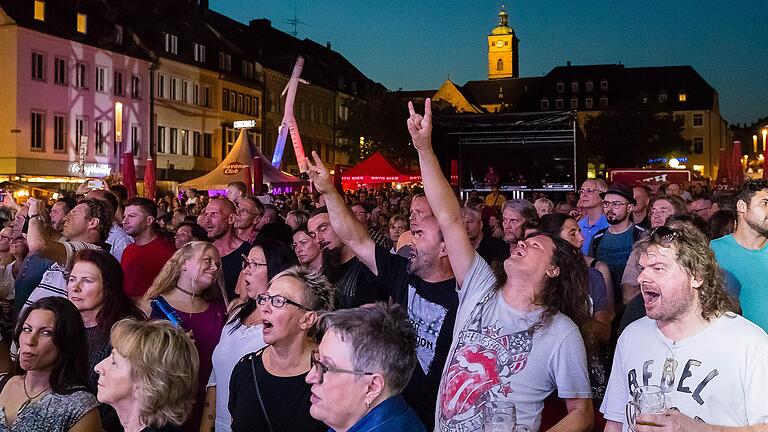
{"x": 568, "y": 63}
{"x": 328, "y": 44}
{"x": 204, "y": 4}
{"x": 261, "y": 24}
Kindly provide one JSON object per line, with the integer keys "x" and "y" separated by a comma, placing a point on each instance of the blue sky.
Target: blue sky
{"x": 418, "y": 44}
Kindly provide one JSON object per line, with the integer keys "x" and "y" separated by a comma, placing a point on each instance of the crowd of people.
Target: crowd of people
{"x": 385, "y": 309}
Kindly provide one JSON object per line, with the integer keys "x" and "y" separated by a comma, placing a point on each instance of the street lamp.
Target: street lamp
{"x": 765, "y": 132}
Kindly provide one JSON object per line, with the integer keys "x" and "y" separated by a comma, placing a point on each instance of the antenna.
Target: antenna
{"x": 295, "y": 21}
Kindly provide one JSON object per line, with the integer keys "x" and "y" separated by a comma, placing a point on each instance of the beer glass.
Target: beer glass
{"x": 645, "y": 400}
{"x": 501, "y": 416}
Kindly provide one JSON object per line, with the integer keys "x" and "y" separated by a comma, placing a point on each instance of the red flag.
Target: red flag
{"x": 723, "y": 170}
{"x": 258, "y": 176}
{"x": 149, "y": 180}
{"x": 737, "y": 170}
{"x": 248, "y": 180}
{"x": 128, "y": 171}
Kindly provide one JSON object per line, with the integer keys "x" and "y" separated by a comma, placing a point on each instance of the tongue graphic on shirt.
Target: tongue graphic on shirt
{"x": 469, "y": 378}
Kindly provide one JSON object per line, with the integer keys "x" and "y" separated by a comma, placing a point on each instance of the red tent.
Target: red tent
{"x": 376, "y": 170}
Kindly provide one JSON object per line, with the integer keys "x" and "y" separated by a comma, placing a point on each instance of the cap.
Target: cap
{"x": 621, "y": 190}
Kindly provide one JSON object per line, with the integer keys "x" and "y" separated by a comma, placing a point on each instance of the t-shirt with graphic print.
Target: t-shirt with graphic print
{"x": 432, "y": 311}
{"x": 716, "y": 376}
{"x": 498, "y": 354}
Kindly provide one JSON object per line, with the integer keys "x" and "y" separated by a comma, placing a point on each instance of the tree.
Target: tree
{"x": 627, "y": 136}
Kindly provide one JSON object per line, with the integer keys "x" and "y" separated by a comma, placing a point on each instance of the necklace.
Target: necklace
{"x": 189, "y": 293}
{"x": 29, "y": 398}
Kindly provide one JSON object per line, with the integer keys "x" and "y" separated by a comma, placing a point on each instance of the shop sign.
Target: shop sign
{"x": 91, "y": 169}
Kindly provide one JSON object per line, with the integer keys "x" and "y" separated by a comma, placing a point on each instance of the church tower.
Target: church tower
{"x": 503, "y": 50}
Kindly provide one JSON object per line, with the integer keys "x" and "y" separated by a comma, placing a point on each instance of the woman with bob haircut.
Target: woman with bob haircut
{"x": 192, "y": 284}
{"x": 242, "y": 334}
{"x": 363, "y": 363}
{"x": 48, "y": 389}
{"x": 149, "y": 378}
{"x": 267, "y": 390}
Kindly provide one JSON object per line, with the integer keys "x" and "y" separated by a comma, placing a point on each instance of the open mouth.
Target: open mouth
{"x": 518, "y": 252}
{"x": 267, "y": 325}
{"x": 650, "y": 296}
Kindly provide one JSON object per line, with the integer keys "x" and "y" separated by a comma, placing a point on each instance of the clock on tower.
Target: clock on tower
{"x": 502, "y": 50}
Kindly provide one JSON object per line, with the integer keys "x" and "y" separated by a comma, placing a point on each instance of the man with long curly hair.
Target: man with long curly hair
{"x": 517, "y": 336}
{"x": 711, "y": 364}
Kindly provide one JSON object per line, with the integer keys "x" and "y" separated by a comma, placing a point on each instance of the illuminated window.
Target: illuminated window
{"x": 40, "y": 10}
{"x": 82, "y": 23}
{"x": 682, "y": 97}
{"x": 500, "y": 65}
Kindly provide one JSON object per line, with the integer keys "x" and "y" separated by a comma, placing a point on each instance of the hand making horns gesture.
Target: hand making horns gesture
{"x": 420, "y": 127}
{"x": 319, "y": 174}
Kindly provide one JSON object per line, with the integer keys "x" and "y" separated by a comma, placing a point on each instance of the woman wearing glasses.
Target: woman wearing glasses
{"x": 242, "y": 334}
{"x": 365, "y": 360}
{"x": 267, "y": 390}
{"x": 192, "y": 285}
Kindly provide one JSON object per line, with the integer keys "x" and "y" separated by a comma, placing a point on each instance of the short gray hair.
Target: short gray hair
{"x": 526, "y": 210}
{"x": 471, "y": 212}
{"x": 382, "y": 340}
{"x": 318, "y": 291}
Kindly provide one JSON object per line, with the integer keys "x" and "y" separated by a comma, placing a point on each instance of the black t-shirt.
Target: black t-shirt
{"x": 286, "y": 399}
{"x": 493, "y": 250}
{"x": 231, "y": 264}
{"x": 432, "y": 311}
{"x": 357, "y": 285}
{"x": 166, "y": 428}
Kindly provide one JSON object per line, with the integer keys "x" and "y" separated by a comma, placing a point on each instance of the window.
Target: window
{"x": 574, "y": 102}
{"x": 59, "y": 133}
{"x": 161, "y": 139}
{"x": 698, "y": 145}
{"x": 255, "y": 106}
{"x": 225, "y": 99}
{"x": 82, "y": 23}
{"x": 560, "y": 87}
{"x": 233, "y": 101}
{"x": 101, "y": 138}
{"x": 81, "y": 131}
{"x": 196, "y": 144}
{"x": 118, "y": 84}
{"x": 135, "y": 87}
{"x": 545, "y": 104}
{"x": 574, "y": 86}
{"x": 81, "y": 75}
{"x": 680, "y": 119}
{"x": 184, "y": 136}
{"x": 196, "y": 94}
{"x": 40, "y": 10}
{"x": 185, "y": 91}
{"x": 662, "y": 97}
{"x": 247, "y": 105}
{"x": 171, "y": 43}
{"x": 207, "y": 145}
{"x": 101, "y": 79}
{"x": 682, "y": 97}
{"x": 174, "y": 88}
{"x": 225, "y": 61}
{"x": 588, "y": 103}
{"x": 37, "y": 129}
{"x": 500, "y": 65}
{"x": 603, "y": 101}
{"x": 199, "y": 52}
{"x": 135, "y": 139}
{"x": 240, "y": 107}
{"x": 559, "y": 103}
{"x": 207, "y": 99}
{"x": 247, "y": 69}
{"x": 38, "y": 66}
{"x": 589, "y": 86}
{"x": 698, "y": 120}
{"x": 60, "y": 71}
{"x": 230, "y": 140}
{"x": 603, "y": 84}
{"x": 270, "y": 102}
{"x": 174, "y": 141}
{"x": 161, "y": 84}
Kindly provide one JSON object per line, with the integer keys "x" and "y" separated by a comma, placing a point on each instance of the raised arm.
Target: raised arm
{"x": 444, "y": 204}
{"x": 39, "y": 236}
{"x": 351, "y": 232}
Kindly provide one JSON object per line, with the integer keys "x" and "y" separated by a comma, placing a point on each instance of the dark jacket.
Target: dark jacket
{"x": 637, "y": 233}
{"x": 391, "y": 415}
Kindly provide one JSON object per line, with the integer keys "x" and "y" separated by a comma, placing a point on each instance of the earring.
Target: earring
{"x": 367, "y": 404}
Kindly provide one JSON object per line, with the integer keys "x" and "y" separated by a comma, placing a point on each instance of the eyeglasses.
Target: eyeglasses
{"x": 278, "y": 301}
{"x": 321, "y": 369}
{"x": 322, "y": 228}
{"x": 663, "y": 234}
{"x": 253, "y": 265}
{"x": 588, "y": 191}
{"x": 614, "y": 204}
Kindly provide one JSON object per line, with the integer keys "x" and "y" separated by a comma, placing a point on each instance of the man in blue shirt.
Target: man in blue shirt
{"x": 745, "y": 252}
{"x": 594, "y": 220}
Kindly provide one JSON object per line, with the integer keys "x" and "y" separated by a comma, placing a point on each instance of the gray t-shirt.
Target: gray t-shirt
{"x": 496, "y": 356}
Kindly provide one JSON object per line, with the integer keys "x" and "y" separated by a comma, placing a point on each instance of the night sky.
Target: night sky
{"x": 416, "y": 45}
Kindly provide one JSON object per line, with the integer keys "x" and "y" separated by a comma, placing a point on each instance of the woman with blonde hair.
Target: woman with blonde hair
{"x": 149, "y": 378}
{"x": 190, "y": 288}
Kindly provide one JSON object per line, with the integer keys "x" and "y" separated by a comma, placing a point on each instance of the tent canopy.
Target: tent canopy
{"x": 377, "y": 169}
{"x": 233, "y": 168}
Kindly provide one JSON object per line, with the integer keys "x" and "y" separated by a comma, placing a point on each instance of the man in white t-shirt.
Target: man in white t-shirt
{"x": 711, "y": 363}
{"x": 513, "y": 339}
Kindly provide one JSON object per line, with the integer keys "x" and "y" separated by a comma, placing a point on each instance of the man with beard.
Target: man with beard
{"x": 117, "y": 239}
{"x": 145, "y": 257}
{"x": 613, "y": 245}
{"x": 710, "y": 364}
{"x": 423, "y": 284}
{"x": 60, "y": 208}
{"x": 745, "y": 252}
{"x": 594, "y": 220}
{"x": 219, "y": 223}
{"x": 517, "y": 216}
{"x": 353, "y": 282}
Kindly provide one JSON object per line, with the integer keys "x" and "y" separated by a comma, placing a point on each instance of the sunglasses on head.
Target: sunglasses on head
{"x": 663, "y": 234}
